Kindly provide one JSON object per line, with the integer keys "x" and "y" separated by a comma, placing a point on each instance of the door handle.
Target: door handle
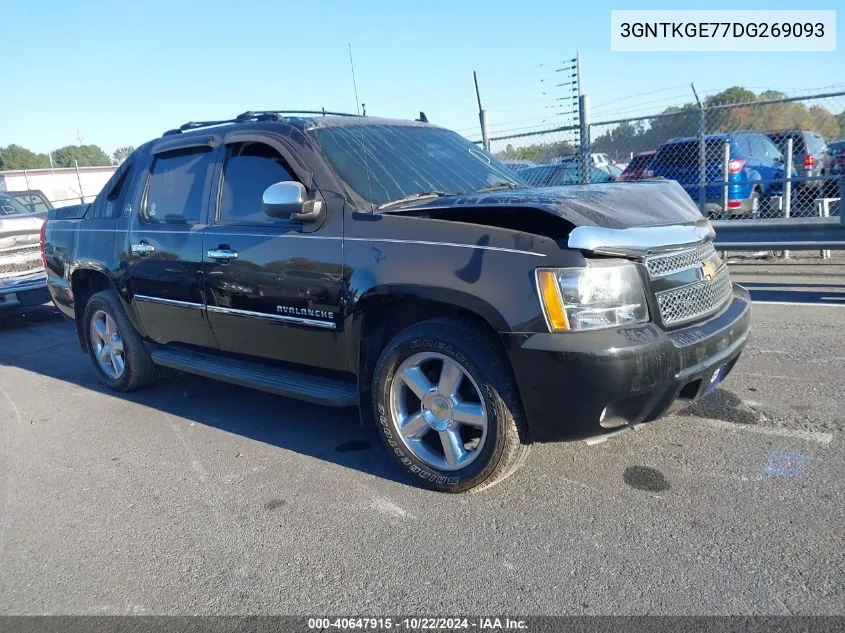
{"x": 142, "y": 248}
{"x": 221, "y": 253}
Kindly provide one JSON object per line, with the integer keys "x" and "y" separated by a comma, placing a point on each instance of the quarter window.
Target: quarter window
{"x": 250, "y": 168}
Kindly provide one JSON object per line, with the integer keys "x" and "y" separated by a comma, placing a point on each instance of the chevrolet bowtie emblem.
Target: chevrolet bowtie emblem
{"x": 708, "y": 270}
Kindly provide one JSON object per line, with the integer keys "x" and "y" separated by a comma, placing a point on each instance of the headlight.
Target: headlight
{"x": 605, "y": 293}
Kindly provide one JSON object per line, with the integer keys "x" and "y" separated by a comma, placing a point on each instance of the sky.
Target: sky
{"x": 120, "y": 74}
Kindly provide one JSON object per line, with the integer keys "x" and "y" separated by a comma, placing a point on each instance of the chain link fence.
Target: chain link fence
{"x": 770, "y": 158}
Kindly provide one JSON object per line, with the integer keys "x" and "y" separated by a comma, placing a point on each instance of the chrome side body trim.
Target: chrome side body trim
{"x": 274, "y": 317}
{"x": 244, "y": 313}
{"x": 170, "y": 302}
{"x": 425, "y": 243}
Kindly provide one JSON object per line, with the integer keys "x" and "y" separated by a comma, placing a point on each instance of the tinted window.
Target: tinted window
{"x": 177, "y": 183}
{"x": 539, "y": 176}
{"x": 10, "y": 206}
{"x": 32, "y": 202}
{"x": 562, "y": 175}
{"x": 686, "y": 153}
{"x": 780, "y": 140}
{"x": 383, "y": 163}
{"x": 250, "y": 169}
{"x": 115, "y": 190}
{"x": 639, "y": 162}
{"x": 568, "y": 175}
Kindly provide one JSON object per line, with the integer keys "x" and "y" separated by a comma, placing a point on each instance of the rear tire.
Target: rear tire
{"x": 447, "y": 406}
{"x": 117, "y": 351}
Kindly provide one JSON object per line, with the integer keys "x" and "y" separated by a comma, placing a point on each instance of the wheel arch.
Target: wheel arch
{"x": 84, "y": 283}
{"x": 381, "y": 314}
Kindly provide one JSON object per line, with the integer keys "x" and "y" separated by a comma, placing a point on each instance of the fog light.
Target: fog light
{"x": 603, "y": 413}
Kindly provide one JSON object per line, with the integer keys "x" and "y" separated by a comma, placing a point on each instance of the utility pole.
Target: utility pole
{"x": 482, "y": 115}
{"x": 584, "y": 125}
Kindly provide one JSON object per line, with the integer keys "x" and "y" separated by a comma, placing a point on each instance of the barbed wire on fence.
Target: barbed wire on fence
{"x": 737, "y": 154}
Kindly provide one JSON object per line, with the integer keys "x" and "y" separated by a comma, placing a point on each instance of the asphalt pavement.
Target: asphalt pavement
{"x": 803, "y": 277}
{"x": 194, "y": 497}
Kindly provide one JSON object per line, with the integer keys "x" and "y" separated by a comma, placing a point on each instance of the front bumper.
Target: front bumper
{"x": 634, "y": 374}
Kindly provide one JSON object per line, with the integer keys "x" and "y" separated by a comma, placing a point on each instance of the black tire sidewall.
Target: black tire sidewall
{"x": 475, "y": 361}
{"x": 102, "y": 302}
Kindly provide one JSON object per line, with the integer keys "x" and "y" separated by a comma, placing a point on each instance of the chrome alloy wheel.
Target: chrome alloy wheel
{"x": 438, "y": 411}
{"x": 107, "y": 345}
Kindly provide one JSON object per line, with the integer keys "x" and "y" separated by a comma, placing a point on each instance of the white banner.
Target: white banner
{"x": 723, "y": 30}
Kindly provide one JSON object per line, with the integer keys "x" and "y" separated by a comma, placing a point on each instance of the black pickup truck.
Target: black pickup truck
{"x": 394, "y": 266}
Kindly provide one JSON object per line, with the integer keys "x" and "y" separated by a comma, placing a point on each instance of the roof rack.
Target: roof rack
{"x": 257, "y": 115}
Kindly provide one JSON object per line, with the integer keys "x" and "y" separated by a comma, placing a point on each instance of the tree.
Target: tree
{"x": 83, "y": 155}
{"x": 121, "y": 154}
{"x": 746, "y": 113}
{"x": 538, "y": 152}
{"x": 17, "y": 157}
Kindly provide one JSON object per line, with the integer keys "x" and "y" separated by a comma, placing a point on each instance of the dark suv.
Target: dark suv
{"x": 754, "y": 168}
{"x": 394, "y": 266}
{"x": 811, "y": 156}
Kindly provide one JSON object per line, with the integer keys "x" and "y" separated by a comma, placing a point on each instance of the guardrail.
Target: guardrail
{"x": 782, "y": 234}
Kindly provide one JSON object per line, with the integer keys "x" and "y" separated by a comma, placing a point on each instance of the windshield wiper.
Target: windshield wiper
{"x": 500, "y": 186}
{"x": 415, "y": 197}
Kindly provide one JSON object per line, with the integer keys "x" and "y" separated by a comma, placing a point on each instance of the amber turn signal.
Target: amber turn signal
{"x": 552, "y": 302}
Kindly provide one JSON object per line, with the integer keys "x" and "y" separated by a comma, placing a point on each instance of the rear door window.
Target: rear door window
{"x": 686, "y": 153}
{"x": 175, "y": 194}
{"x": 34, "y": 203}
{"x": 780, "y": 139}
{"x": 11, "y": 206}
{"x": 770, "y": 152}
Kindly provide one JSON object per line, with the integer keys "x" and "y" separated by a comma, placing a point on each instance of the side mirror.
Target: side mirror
{"x": 288, "y": 200}
{"x": 284, "y": 199}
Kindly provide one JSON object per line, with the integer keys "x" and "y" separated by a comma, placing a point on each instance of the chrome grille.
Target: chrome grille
{"x": 22, "y": 259}
{"x": 695, "y": 300}
{"x": 662, "y": 265}
{"x": 689, "y": 284}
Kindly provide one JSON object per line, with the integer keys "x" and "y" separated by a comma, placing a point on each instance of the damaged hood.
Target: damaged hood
{"x": 608, "y": 205}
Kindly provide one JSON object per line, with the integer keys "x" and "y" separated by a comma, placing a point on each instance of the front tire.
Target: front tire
{"x": 447, "y": 406}
{"x": 117, "y": 351}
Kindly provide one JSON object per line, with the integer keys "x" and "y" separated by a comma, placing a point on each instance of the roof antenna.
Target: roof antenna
{"x": 423, "y": 118}
{"x": 354, "y": 84}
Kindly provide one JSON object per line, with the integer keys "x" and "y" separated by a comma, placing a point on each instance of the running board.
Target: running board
{"x": 282, "y": 382}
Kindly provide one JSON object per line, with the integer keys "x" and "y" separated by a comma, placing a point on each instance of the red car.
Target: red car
{"x": 636, "y": 168}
